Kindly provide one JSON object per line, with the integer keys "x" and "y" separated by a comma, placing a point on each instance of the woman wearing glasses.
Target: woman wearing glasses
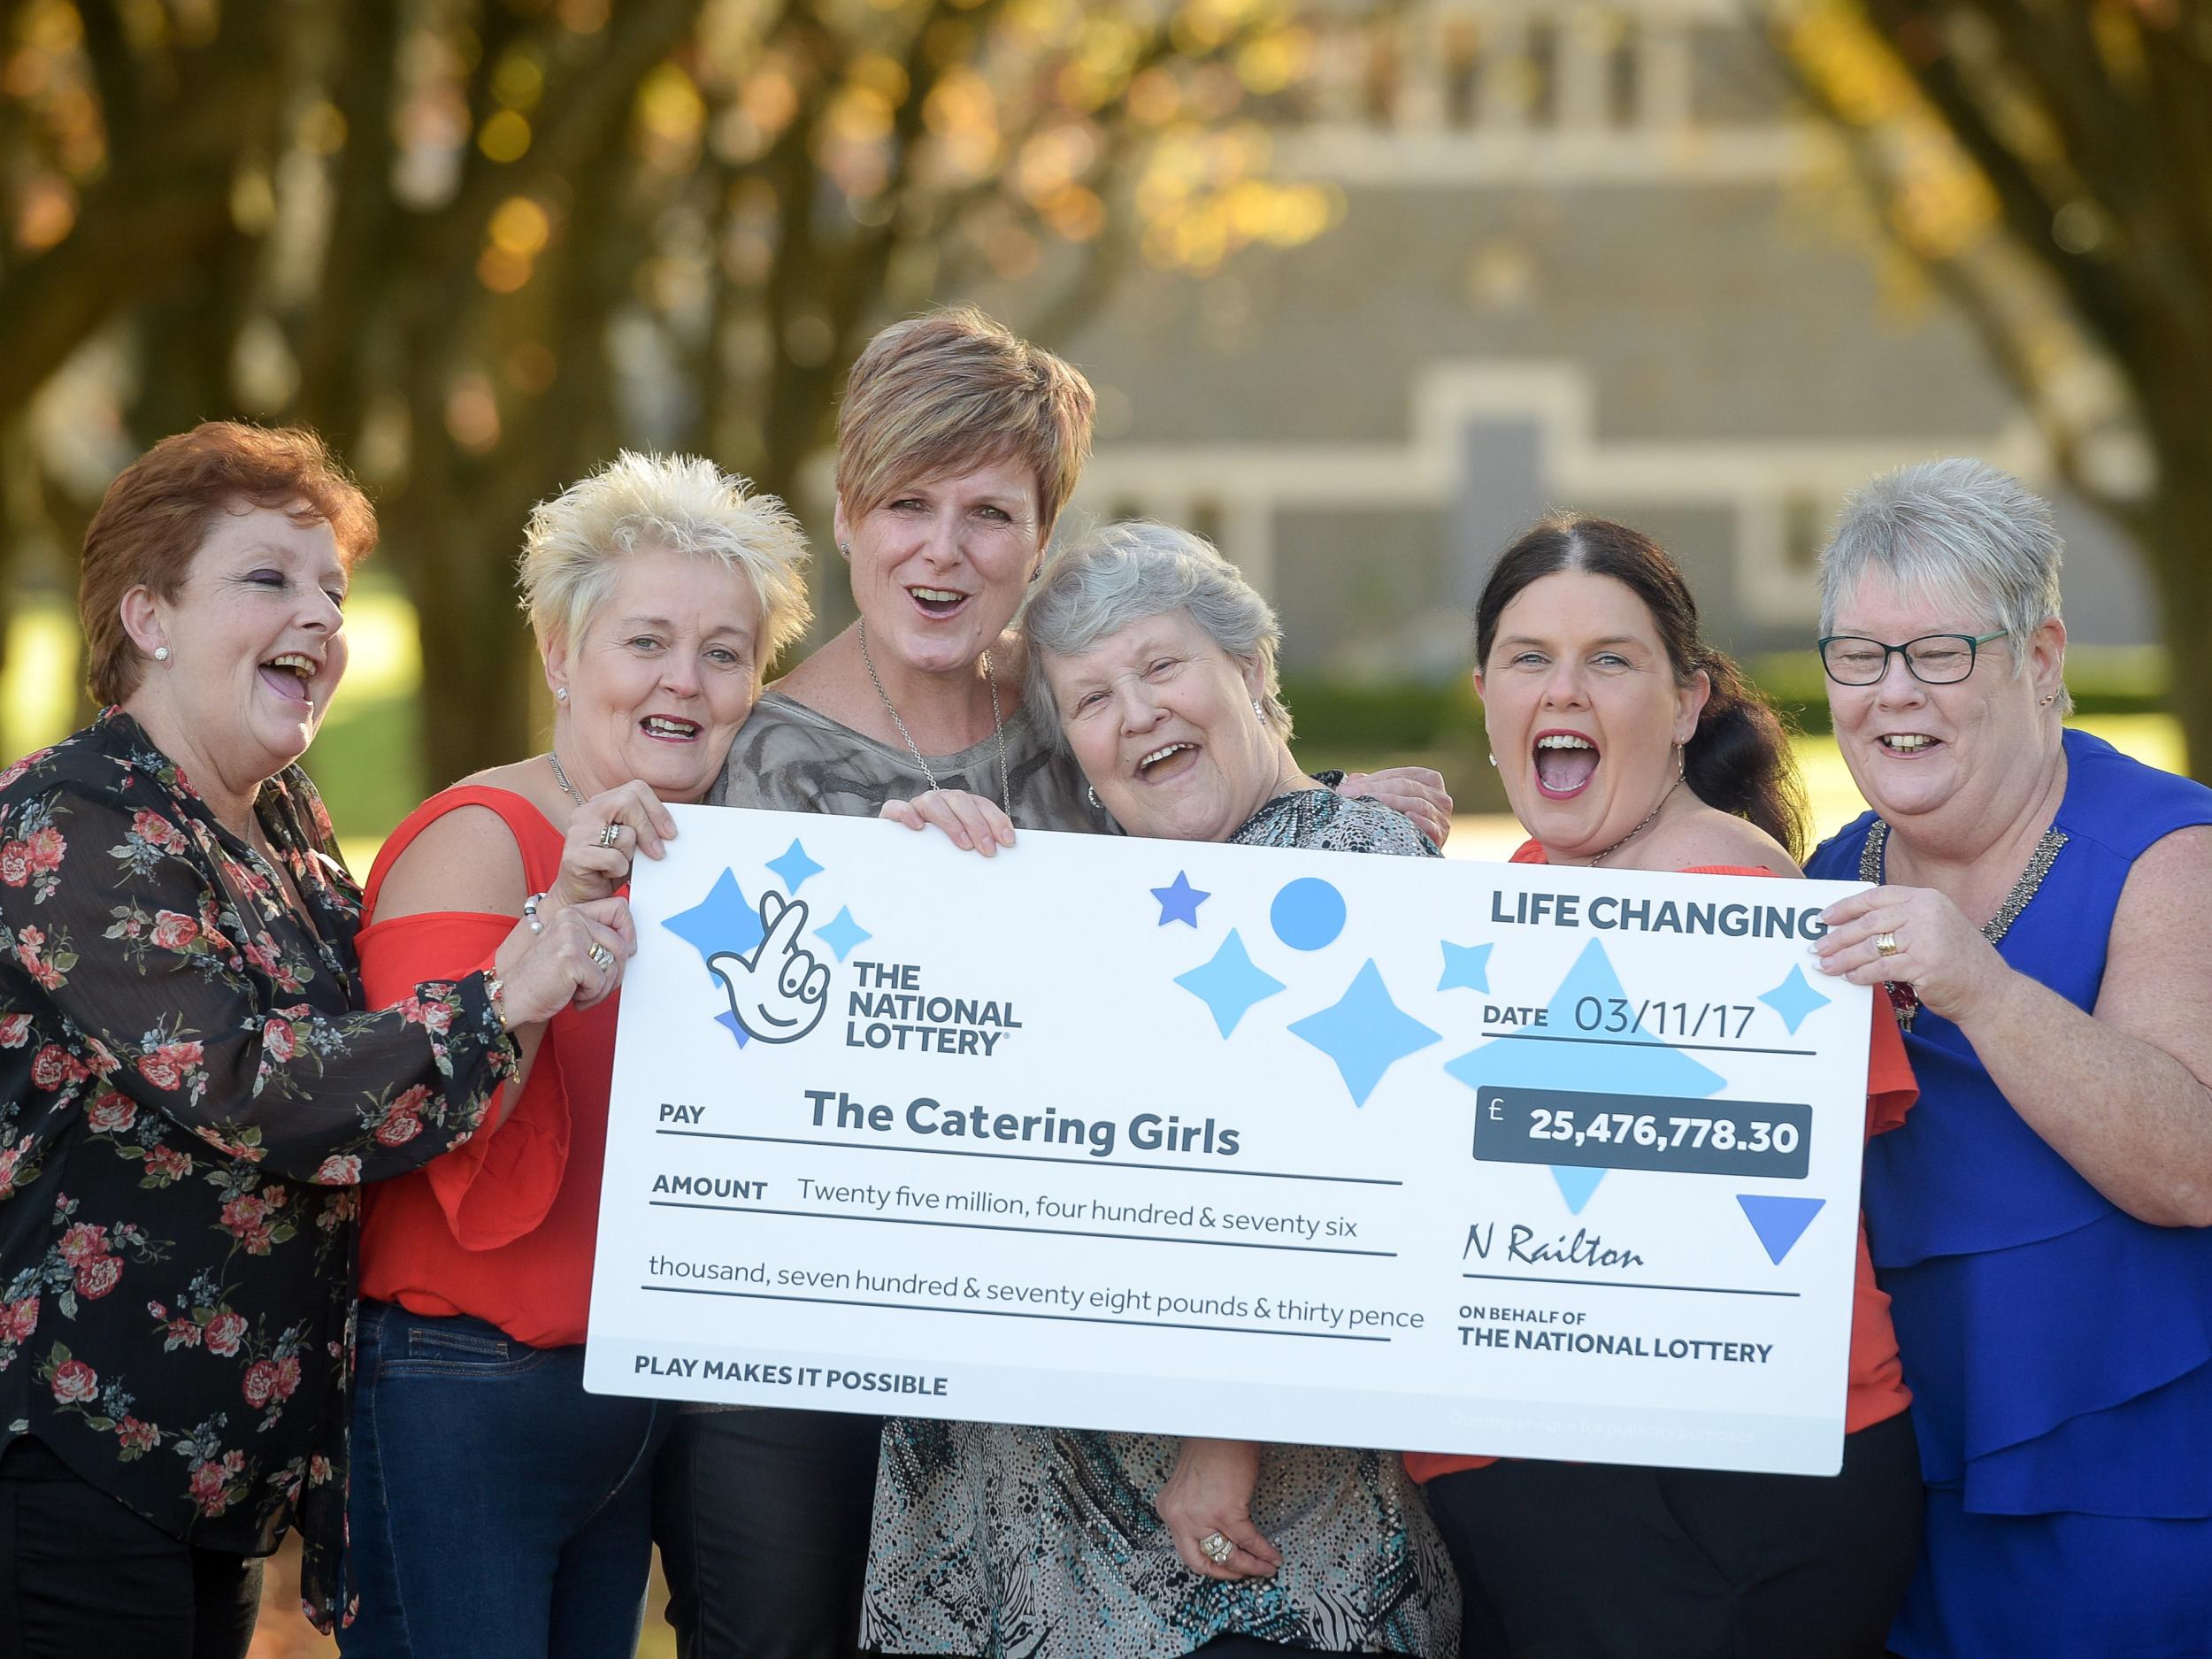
{"x": 2040, "y": 909}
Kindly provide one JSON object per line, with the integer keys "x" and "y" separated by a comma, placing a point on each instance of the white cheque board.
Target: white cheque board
{"x": 1214, "y": 1140}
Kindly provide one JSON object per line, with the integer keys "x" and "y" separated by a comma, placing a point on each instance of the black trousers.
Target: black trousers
{"x": 81, "y": 1574}
{"x": 1603, "y": 1561}
{"x": 762, "y": 1519}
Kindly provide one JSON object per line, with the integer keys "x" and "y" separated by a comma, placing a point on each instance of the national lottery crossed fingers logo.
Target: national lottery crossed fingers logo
{"x": 780, "y": 976}
{"x": 777, "y": 991}
{"x": 777, "y": 983}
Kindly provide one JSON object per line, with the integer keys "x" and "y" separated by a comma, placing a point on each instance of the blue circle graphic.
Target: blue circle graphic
{"x": 1309, "y": 913}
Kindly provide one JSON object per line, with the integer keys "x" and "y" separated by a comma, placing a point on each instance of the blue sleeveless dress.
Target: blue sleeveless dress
{"x": 2059, "y": 1351}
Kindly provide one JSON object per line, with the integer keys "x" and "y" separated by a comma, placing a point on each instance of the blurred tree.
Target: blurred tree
{"x": 481, "y": 242}
{"x": 2043, "y": 159}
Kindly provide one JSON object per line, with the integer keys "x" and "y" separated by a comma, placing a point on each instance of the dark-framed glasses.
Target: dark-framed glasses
{"x": 1933, "y": 659}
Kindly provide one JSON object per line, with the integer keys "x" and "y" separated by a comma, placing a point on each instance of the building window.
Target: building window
{"x": 1804, "y": 530}
{"x": 1459, "y": 52}
{"x": 1622, "y": 63}
{"x": 1207, "y": 520}
{"x": 1539, "y": 81}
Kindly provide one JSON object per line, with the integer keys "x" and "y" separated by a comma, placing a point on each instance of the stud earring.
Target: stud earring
{"x": 161, "y": 655}
{"x": 561, "y": 696}
{"x": 2048, "y": 701}
{"x": 845, "y": 551}
{"x": 1494, "y": 759}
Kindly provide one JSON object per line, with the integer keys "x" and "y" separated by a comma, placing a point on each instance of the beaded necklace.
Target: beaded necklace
{"x": 1874, "y": 858}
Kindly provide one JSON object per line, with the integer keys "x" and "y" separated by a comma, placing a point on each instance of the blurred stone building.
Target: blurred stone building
{"x": 1588, "y": 255}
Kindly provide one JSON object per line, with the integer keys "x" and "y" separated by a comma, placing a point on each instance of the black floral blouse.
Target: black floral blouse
{"x": 189, "y": 1095}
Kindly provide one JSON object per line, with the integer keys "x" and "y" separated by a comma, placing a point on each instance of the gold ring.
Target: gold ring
{"x": 1885, "y": 944}
{"x": 1217, "y": 1548}
{"x": 601, "y": 957}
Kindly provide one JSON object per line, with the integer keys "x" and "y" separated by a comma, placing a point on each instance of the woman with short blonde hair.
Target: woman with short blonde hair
{"x": 660, "y": 589}
{"x": 959, "y": 444}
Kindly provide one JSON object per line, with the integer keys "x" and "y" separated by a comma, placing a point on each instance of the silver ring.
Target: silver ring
{"x": 1885, "y": 944}
{"x": 611, "y": 835}
{"x": 601, "y": 957}
{"x": 1217, "y": 1548}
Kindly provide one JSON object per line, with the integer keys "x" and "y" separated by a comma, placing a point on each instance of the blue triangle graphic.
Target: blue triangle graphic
{"x": 1779, "y": 1222}
{"x": 1576, "y": 1185}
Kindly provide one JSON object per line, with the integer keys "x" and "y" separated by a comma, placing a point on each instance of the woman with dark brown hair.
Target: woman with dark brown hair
{"x": 190, "y": 1090}
{"x": 1624, "y": 740}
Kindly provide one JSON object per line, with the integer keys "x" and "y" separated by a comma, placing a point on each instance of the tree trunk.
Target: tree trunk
{"x": 474, "y": 709}
{"x": 2178, "y": 533}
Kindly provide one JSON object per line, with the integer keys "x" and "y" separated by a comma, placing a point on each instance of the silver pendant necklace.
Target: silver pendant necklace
{"x": 561, "y": 778}
{"x": 998, "y": 728}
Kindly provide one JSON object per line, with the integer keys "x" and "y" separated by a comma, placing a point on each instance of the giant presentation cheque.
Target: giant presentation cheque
{"x": 1225, "y": 1141}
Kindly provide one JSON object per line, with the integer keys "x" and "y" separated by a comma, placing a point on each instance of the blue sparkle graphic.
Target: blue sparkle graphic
{"x": 1794, "y": 999}
{"x": 794, "y": 867}
{"x": 724, "y": 920}
{"x": 1365, "y": 1032}
{"x": 843, "y": 935}
{"x": 1179, "y": 900}
{"x": 1229, "y": 984}
{"x": 729, "y": 1022}
{"x": 1308, "y": 913}
{"x": 1630, "y": 1061}
{"x": 1466, "y": 967}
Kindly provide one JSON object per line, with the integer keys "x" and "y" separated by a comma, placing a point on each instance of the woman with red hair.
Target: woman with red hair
{"x": 190, "y": 1089}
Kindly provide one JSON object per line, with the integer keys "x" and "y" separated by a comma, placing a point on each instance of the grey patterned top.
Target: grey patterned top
{"x": 793, "y": 759}
{"x": 1322, "y": 820}
{"x": 1035, "y": 1543}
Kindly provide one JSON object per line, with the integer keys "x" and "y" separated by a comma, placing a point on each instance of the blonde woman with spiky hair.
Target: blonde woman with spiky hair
{"x": 496, "y": 1508}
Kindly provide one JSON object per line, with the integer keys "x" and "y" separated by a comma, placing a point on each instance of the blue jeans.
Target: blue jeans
{"x": 497, "y": 1511}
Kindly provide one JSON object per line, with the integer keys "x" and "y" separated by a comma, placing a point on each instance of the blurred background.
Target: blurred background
{"x": 1362, "y": 288}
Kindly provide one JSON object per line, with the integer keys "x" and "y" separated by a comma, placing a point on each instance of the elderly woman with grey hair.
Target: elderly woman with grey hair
{"x": 2039, "y": 907}
{"x": 1155, "y": 664}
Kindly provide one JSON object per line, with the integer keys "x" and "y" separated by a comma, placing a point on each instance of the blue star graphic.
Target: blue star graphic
{"x": 1365, "y": 1032}
{"x": 1630, "y": 1061}
{"x": 1229, "y": 984}
{"x": 843, "y": 935}
{"x": 1465, "y": 966}
{"x": 1179, "y": 902}
{"x": 724, "y": 920}
{"x": 794, "y": 867}
{"x": 1795, "y": 1000}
